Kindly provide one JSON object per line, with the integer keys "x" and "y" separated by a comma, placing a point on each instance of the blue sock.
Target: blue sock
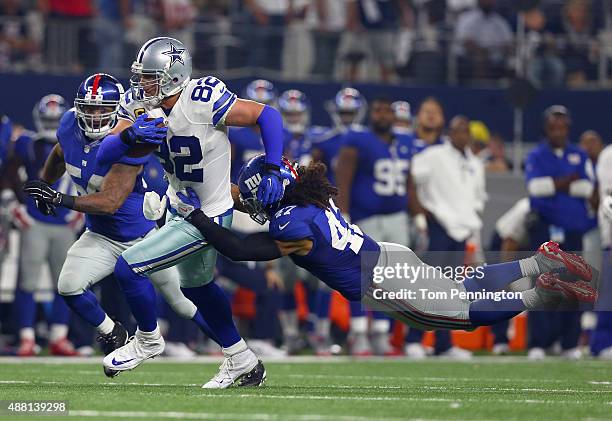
{"x": 288, "y": 301}
{"x": 139, "y": 294}
{"x": 86, "y": 305}
{"x": 357, "y": 309}
{"x": 25, "y": 307}
{"x": 60, "y": 312}
{"x": 489, "y": 312}
{"x": 216, "y": 311}
{"x": 198, "y": 319}
{"x": 323, "y": 301}
{"x": 493, "y": 277}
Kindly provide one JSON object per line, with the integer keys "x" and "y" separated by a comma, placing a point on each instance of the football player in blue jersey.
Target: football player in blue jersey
{"x": 45, "y": 239}
{"x": 295, "y": 109}
{"x": 7, "y": 198}
{"x": 346, "y": 111}
{"x": 308, "y": 227}
{"x": 110, "y": 195}
{"x": 371, "y": 176}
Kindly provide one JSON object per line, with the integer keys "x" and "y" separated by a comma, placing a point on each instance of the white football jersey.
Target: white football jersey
{"x": 196, "y": 153}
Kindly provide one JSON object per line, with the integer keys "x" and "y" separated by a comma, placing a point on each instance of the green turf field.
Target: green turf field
{"x": 488, "y": 388}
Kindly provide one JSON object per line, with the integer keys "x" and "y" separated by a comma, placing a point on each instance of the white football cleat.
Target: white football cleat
{"x": 536, "y": 354}
{"x": 141, "y": 347}
{"x": 243, "y": 369}
{"x": 458, "y": 354}
{"x": 415, "y": 351}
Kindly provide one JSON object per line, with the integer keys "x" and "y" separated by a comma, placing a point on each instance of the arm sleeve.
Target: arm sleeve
{"x": 541, "y": 187}
{"x": 420, "y": 167}
{"x": 112, "y": 150}
{"x": 581, "y": 188}
{"x": 270, "y": 123}
{"x": 254, "y": 247}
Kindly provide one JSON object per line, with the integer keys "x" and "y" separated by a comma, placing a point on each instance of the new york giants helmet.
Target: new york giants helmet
{"x": 249, "y": 180}
{"x": 294, "y": 107}
{"x": 162, "y": 68}
{"x": 402, "y": 112}
{"x": 97, "y": 103}
{"x": 47, "y": 114}
{"x": 349, "y": 107}
{"x": 262, "y": 91}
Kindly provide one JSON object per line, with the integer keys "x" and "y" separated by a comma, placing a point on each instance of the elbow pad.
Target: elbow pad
{"x": 581, "y": 188}
{"x": 541, "y": 187}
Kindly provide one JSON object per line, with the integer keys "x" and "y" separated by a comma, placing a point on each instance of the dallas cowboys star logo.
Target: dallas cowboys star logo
{"x": 175, "y": 54}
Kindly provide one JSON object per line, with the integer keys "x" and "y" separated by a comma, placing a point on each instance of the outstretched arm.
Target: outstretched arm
{"x": 254, "y": 247}
{"x": 250, "y": 113}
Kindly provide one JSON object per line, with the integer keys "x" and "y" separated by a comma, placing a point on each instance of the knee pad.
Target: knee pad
{"x": 183, "y": 307}
{"x": 69, "y": 284}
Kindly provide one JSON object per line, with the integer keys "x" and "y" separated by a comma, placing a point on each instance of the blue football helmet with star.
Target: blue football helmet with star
{"x": 162, "y": 68}
{"x": 248, "y": 182}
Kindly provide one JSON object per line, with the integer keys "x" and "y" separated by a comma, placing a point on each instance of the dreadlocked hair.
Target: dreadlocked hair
{"x": 312, "y": 187}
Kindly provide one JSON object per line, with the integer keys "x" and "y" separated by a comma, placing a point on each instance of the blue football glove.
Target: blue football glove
{"x": 143, "y": 131}
{"x": 271, "y": 189}
{"x": 187, "y": 202}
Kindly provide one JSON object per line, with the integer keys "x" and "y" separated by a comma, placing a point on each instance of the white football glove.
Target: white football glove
{"x": 153, "y": 206}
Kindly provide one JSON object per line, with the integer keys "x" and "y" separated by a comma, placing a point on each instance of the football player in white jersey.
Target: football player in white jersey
{"x": 196, "y": 154}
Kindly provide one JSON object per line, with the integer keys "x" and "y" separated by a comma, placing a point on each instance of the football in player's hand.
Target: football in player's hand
{"x": 142, "y": 149}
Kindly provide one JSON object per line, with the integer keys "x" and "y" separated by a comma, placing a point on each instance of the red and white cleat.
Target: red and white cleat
{"x": 551, "y": 258}
{"x": 27, "y": 348}
{"x": 62, "y": 348}
{"x": 575, "y": 291}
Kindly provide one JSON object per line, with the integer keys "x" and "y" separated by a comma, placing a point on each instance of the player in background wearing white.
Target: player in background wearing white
{"x": 196, "y": 154}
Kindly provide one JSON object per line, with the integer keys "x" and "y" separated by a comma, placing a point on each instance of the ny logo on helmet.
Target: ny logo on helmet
{"x": 175, "y": 54}
{"x": 253, "y": 182}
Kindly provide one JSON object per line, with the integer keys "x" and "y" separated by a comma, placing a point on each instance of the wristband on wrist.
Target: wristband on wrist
{"x": 127, "y": 137}
{"x": 272, "y": 168}
{"x": 66, "y": 201}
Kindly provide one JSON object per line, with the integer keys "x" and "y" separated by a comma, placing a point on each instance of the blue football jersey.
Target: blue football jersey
{"x": 327, "y": 142}
{"x": 379, "y": 184}
{"x": 562, "y": 210}
{"x": 33, "y": 152}
{"x": 246, "y": 143}
{"x": 128, "y": 223}
{"x": 418, "y": 145}
{"x": 341, "y": 256}
{"x": 6, "y": 130}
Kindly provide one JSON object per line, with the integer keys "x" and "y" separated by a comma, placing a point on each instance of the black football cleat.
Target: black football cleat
{"x": 111, "y": 373}
{"x": 116, "y": 339}
{"x": 255, "y": 377}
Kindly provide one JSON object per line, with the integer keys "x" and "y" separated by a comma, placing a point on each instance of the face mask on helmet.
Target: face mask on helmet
{"x": 162, "y": 69}
{"x": 47, "y": 115}
{"x": 348, "y": 108}
{"x": 261, "y": 91}
{"x": 97, "y": 105}
{"x": 249, "y": 180}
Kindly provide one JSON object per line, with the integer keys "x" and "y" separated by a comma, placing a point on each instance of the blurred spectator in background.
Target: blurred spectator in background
{"x": 485, "y": 39}
{"x": 175, "y": 19}
{"x": 427, "y": 52}
{"x": 559, "y": 182}
{"x": 580, "y": 49}
{"x": 545, "y": 67}
{"x": 298, "y": 50}
{"x": 17, "y": 43}
{"x": 265, "y": 41}
{"x": 497, "y": 161}
{"x": 373, "y": 26}
{"x": 68, "y": 39}
{"x": 592, "y": 143}
{"x": 114, "y": 18}
{"x": 328, "y": 19}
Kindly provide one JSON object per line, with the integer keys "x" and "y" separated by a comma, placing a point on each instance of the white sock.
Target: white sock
{"x": 27, "y": 334}
{"x": 237, "y": 348}
{"x": 106, "y": 326}
{"x": 529, "y": 267}
{"x": 359, "y": 325}
{"x": 289, "y": 323}
{"x": 380, "y": 326}
{"x": 155, "y": 334}
{"x": 58, "y": 332}
{"x": 322, "y": 328}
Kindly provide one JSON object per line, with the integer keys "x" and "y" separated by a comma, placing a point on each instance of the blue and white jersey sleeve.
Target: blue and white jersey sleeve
{"x": 129, "y": 108}
{"x": 210, "y": 101}
{"x": 285, "y": 226}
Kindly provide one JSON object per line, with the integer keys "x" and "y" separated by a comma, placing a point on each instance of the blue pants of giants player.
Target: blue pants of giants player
{"x": 179, "y": 244}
